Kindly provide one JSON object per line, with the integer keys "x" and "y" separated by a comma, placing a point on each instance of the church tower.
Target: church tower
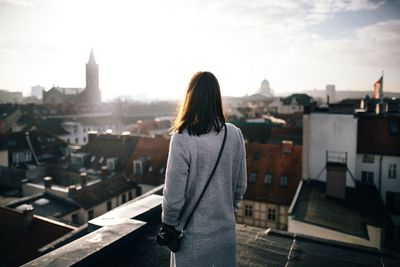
{"x": 93, "y": 94}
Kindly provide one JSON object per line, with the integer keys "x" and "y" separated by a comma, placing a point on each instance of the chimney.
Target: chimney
{"x": 27, "y": 218}
{"x": 336, "y": 180}
{"x": 83, "y": 179}
{"x": 124, "y": 136}
{"x": 104, "y": 171}
{"x": 71, "y": 190}
{"x": 92, "y": 136}
{"x": 47, "y": 182}
{"x": 287, "y": 146}
{"x": 377, "y": 109}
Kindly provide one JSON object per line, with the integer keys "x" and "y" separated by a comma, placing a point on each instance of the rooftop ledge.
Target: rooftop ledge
{"x": 107, "y": 232}
{"x": 125, "y": 236}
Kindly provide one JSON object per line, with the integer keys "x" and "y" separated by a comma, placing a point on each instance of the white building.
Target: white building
{"x": 331, "y": 93}
{"x": 337, "y": 199}
{"x": 291, "y": 104}
{"x": 37, "y": 91}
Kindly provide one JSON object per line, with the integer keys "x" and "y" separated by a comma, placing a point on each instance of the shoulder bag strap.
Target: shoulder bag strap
{"x": 208, "y": 182}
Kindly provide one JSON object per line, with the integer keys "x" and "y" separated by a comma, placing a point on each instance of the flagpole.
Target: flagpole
{"x": 381, "y": 91}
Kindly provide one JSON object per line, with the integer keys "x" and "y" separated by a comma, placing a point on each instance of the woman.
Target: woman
{"x": 198, "y": 132}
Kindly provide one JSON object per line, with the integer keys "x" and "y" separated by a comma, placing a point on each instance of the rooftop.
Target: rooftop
{"x": 264, "y": 159}
{"x": 126, "y": 237}
{"x": 156, "y": 151}
{"x": 47, "y": 205}
{"x": 22, "y": 239}
{"x": 379, "y": 135}
{"x": 361, "y": 206}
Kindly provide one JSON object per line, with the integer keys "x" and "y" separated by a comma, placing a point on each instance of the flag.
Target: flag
{"x": 378, "y": 88}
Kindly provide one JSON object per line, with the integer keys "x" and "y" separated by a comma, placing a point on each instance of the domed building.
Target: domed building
{"x": 265, "y": 89}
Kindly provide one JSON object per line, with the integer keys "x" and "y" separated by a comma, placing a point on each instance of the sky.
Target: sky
{"x": 151, "y": 48}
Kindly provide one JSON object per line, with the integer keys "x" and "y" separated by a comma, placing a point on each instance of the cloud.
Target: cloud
{"x": 7, "y": 51}
{"x": 22, "y": 3}
{"x": 320, "y": 11}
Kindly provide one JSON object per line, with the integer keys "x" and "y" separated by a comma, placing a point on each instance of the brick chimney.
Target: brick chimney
{"x": 48, "y": 181}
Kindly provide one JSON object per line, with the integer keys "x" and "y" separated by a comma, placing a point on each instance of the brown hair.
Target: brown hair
{"x": 201, "y": 108}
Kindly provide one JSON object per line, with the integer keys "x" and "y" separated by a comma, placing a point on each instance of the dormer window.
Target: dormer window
{"x": 78, "y": 159}
{"x": 140, "y": 165}
{"x": 137, "y": 167}
{"x": 112, "y": 163}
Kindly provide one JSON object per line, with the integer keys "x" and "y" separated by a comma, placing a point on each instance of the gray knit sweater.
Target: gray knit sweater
{"x": 210, "y": 239}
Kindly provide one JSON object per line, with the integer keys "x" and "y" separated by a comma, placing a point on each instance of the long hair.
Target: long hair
{"x": 201, "y": 109}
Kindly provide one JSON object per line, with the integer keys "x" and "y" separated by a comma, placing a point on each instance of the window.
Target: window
{"x": 252, "y": 177}
{"x": 76, "y": 140}
{"x": 137, "y": 167}
{"x": 90, "y": 214}
{"x": 74, "y": 218}
{"x": 368, "y": 158}
{"x": 12, "y": 143}
{"x": 394, "y": 128}
{"x": 109, "y": 205}
{"x": 283, "y": 181}
{"x": 111, "y": 163}
{"x": 268, "y": 178}
{"x": 248, "y": 211}
{"x": 130, "y": 195}
{"x": 24, "y": 156}
{"x": 123, "y": 198}
{"x": 393, "y": 202}
{"x": 271, "y": 215}
{"x": 367, "y": 177}
{"x": 392, "y": 171}
{"x": 84, "y": 130}
{"x": 84, "y": 139}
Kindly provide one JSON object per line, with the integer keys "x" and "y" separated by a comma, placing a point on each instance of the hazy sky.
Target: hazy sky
{"x": 152, "y": 47}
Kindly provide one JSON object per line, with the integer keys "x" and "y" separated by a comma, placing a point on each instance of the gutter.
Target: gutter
{"x": 31, "y": 148}
{"x": 296, "y": 196}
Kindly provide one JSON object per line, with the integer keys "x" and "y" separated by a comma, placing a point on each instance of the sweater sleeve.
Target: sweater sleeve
{"x": 175, "y": 180}
{"x": 241, "y": 183}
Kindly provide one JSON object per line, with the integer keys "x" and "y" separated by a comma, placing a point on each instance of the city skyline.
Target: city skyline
{"x": 153, "y": 48}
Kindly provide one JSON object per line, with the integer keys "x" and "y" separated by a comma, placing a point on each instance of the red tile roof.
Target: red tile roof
{"x": 375, "y": 135}
{"x": 270, "y": 158}
{"x": 156, "y": 149}
{"x": 20, "y": 244}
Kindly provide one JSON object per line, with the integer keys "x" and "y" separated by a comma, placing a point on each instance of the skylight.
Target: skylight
{"x": 42, "y": 202}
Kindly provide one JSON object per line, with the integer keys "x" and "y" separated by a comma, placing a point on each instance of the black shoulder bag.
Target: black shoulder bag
{"x": 168, "y": 235}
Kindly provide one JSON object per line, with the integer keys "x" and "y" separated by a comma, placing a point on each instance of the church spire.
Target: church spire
{"x": 91, "y": 58}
